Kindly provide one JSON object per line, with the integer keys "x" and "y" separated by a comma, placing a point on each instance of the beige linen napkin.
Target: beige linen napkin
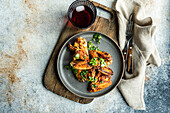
{"x": 132, "y": 88}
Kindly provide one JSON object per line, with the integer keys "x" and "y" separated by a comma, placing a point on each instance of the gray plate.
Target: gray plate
{"x": 79, "y": 88}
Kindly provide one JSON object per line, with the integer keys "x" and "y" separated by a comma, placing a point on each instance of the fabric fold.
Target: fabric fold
{"x": 144, "y": 51}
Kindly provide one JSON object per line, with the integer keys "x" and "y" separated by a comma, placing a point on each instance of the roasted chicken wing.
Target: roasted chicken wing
{"x": 94, "y": 69}
{"x": 81, "y": 65}
{"x": 80, "y": 49}
{"x": 103, "y": 81}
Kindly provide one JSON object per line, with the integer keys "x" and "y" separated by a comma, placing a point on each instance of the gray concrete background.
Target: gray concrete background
{"x": 29, "y": 30}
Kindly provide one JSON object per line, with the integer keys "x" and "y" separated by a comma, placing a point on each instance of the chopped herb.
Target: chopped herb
{"x": 68, "y": 67}
{"x": 83, "y": 77}
{"x": 73, "y": 68}
{"x": 93, "y": 62}
{"x": 97, "y": 37}
{"x": 101, "y": 81}
{"x": 102, "y": 62}
{"x": 77, "y": 56}
{"x": 95, "y": 79}
{"x": 92, "y": 46}
{"x": 75, "y": 71}
{"x": 94, "y": 85}
{"x": 97, "y": 48}
{"x": 92, "y": 79}
{"x": 84, "y": 57}
{"x": 99, "y": 41}
{"x": 84, "y": 72}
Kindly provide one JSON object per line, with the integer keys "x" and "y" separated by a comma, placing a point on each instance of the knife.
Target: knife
{"x": 128, "y": 49}
{"x": 130, "y": 57}
{"x": 130, "y": 54}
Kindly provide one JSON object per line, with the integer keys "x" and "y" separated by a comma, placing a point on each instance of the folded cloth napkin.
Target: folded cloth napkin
{"x": 144, "y": 50}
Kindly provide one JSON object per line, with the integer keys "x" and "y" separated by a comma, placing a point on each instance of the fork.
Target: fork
{"x": 129, "y": 34}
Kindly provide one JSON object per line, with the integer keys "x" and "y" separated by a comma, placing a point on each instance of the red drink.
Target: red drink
{"x": 82, "y": 16}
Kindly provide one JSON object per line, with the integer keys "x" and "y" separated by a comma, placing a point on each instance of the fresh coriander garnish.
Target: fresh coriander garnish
{"x": 92, "y": 46}
{"x": 83, "y": 77}
{"x": 92, "y": 79}
{"x": 102, "y": 62}
{"x": 84, "y": 72}
{"x": 95, "y": 79}
{"x": 68, "y": 67}
{"x": 97, "y": 48}
{"x": 84, "y": 57}
{"x": 77, "y": 56}
{"x": 75, "y": 71}
{"x": 101, "y": 81}
{"x": 94, "y": 85}
{"x": 93, "y": 62}
{"x": 97, "y": 37}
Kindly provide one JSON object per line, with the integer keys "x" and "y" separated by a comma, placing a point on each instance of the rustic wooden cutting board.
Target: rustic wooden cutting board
{"x": 51, "y": 79}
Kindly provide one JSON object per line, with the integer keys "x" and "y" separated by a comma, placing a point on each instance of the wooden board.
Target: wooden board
{"x": 51, "y": 79}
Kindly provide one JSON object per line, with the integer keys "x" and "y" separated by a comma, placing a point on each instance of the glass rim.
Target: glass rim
{"x": 94, "y": 18}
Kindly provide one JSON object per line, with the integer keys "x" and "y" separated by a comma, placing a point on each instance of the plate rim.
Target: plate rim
{"x": 59, "y": 55}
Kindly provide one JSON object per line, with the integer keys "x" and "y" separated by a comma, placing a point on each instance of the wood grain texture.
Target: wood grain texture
{"x": 51, "y": 79}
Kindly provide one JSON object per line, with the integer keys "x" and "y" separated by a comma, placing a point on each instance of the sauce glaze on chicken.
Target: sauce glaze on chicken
{"x": 91, "y": 66}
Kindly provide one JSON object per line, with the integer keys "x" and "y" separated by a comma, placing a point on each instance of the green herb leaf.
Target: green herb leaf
{"x": 77, "y": 56}
{"x": 68, "y": 67}
{"x": 94, "y": 85}
{"x": 99, "y": 41}
{"x": 101, "y": 81}
{"x": 97, "y": 48}
{"x": 102, "y": 62}
{"x": 84, "y": 57}
{"x": 97, "y": 37}
{"x": 75, "y": 71}
{"x": 95, "y": 79}
{"x": 71, "y": 65}
{"x": 84, "y": 72}
{"x": 92, "y": 79}
{"x": 92, "y": 46}
{"x": 83, "y": 77}
{"x": 93, "y": 62}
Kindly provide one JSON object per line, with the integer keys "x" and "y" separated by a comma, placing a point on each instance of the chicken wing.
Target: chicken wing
{"x": 81, "y": 65}
{"x": 80, "y": 49}
{"x": 103, "y": 81}
{"x": 105, "y": 70}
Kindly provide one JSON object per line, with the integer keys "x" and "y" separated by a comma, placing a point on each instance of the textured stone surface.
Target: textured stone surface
{"x": 29, "y": 30}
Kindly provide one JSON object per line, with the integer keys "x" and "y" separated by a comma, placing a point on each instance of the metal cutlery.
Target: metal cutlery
{"x": 128, "y": 50}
